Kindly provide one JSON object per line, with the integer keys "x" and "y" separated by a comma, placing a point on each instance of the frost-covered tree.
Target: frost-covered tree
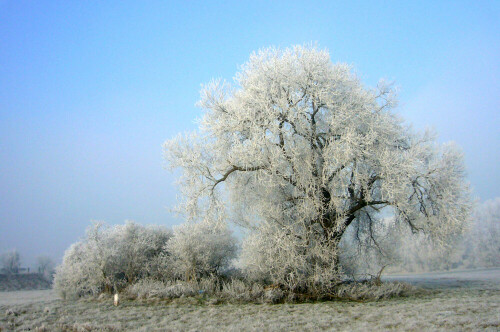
{"x": 300, "y": 150}
{"x": 45, "y": 266}
{"x": 11, "y": 261}
{"x": 482, "y": 242}
{"x": 478, "y": 246}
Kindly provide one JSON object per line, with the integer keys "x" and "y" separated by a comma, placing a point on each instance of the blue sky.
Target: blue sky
{"x": 89, "y": 90}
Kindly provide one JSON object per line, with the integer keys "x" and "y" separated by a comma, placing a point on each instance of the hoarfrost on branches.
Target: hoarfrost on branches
{"x": 298, "y": 150}
{"x": 109, "y": 258}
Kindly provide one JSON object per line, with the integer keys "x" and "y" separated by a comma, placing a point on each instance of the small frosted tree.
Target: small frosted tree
{"x": 45, "y": 266}
{"x": 11, "y": 261}
{"x": 299, "y": 150}
{"x": 482, "y": 242}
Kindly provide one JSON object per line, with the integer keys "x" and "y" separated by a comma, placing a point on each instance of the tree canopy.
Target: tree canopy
{"x": 298, "y": 145}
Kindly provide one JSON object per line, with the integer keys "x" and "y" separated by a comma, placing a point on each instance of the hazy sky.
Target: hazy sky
{"x": 89, "y": 90}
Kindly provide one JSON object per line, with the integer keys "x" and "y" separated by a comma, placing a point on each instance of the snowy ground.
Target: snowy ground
{"x": 26, "y": 297}
{"x": 471, "y": 279}
{"x": 468, "y": 300}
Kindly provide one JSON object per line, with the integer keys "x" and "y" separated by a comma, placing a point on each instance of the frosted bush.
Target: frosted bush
{"x": 210, "y": 289}
{"x": 273, "y": 295}
{"x": 201, "y": 249}
{"x": 372, "y": 291}
{"x": 108, "y": 258}
{"x": 77, "y": 276}
{"x": 141, "y": 250}
{"x": 210, "y": 285}
{"x": 154, "y": 289}
{"x": 240, "y": 291}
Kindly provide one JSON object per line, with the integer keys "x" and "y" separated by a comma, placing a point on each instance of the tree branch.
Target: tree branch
{"x": 234, "y": 169}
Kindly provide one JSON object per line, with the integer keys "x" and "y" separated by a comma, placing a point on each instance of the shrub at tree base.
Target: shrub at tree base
{"x": 214, "y": 291}
{"x": 200, "y": 249}
{"x": 110, "y": 258}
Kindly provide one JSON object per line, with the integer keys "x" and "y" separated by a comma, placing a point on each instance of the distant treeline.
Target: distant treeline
{"x": 10, "y": 263}
{"x": 478, "y": 246}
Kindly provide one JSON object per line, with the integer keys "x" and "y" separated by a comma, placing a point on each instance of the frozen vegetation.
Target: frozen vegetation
{"x": 455, "y": 301}
{"x": 330, "y": 187}
{"x": 317, "y": 168}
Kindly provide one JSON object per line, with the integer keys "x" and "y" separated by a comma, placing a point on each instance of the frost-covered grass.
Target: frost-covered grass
{"x": 26, "y": 297}
{"x": 468, "y": 301}
{"x": 213, "y": 290}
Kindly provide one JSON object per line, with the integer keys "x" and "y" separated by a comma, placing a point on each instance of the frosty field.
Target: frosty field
{"x": 468, "y": 300}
